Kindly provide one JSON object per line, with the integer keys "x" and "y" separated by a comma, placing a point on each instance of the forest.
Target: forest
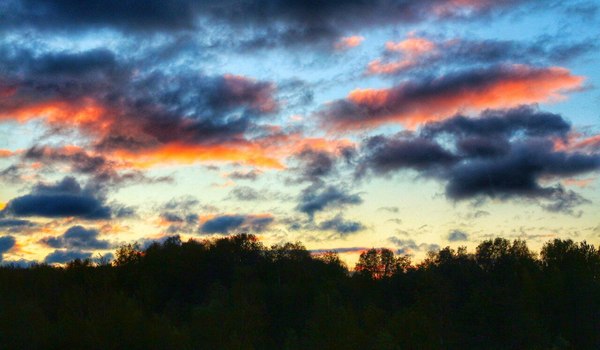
{"x": 236, "y": 293}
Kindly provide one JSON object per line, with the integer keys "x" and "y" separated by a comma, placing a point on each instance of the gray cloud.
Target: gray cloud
{"x": 457, "y": 236}
{"x": 77, "y": 237}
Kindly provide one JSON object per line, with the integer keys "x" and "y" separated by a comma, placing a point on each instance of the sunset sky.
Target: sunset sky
{"x": 411, "y": 125}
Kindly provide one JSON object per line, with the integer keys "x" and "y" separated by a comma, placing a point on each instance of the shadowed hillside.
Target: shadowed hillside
{"x": 235, "y": 293}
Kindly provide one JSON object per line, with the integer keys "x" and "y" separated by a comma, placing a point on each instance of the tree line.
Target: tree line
{"x": 236, "y": 293}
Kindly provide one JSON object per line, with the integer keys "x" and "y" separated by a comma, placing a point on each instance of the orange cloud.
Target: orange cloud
{"x": 583, "y": 183}
{"x": 268, "y": 152}
{"x": 130, "y": 136}
{"x": 413, "y": 46}
{"x": 84, "y": 113}
{"x": 6, "y": 153}
{"x": 379, "y": 67}
{"x": 179, "y": 153}
{"x": 589, "y": 143}
{"x": 578, "y": 142}
{"x": 411, "y": 49}
{"x": 413, "y": 103}
{"x": 348, "y": 42}
{"x": 319, "y": 144}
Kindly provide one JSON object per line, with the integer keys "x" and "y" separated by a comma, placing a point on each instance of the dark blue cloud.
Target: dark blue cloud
{"x": 66, "y": 198}
{"x": 222, "y": 224}
{"x": 316, "y": 198}
{"x": 341, "y": 226}
{"x": 129, "y": 15}
{"x": 6, "y": 243}
{"x": 383, "y": 154}
{"x": 228, "y": 223}
{"x": 501, "y": 154}
{"x": 77, "y": 237}
{"x": 89, "y": 64}
{"x": 524, "y": 120}
{"x": 518, "y": 173}
{"x": 63, "y": 256}
{"x": 259, "y": 22}
{"x": 15, "y": 225}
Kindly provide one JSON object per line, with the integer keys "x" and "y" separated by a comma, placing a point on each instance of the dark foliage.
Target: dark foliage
{"x": 235, "y": 293}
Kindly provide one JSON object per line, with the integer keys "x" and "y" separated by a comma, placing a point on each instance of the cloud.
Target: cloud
{"x": 315, "y": 164}
{"x": 583, "y": 143}
{"x": 15, "y": 225}
{"x": 257, "y": 23}
{"x": 222, "y": 224}
{"x": 356, "y": 250}
{"x": 518, "y": 172}
{"x": 12, "y": 174}
{"x": 251, "y": 175}
{"x": 435, "y": 98}
{"x": 383, "y": 154}
{"x": 348, "y": 42}
{"x": 178, "y": 215}
{"x": 121, "y": 211}
{"x": 80, "y": 161}
{"x": 65, "y": 198}
{"x": 184, "y": 203}
{"x": 174, "y": 218}
{"x": 314, "y": 199}
{"x": 477, "y": 214}
{"x": 409, "y": 246}
{"x": 247, "y": 194}
{"x": 315, "y": 161}
{"x": 60, "y": 15}
{"x": 158, "y": 117}
{"x": 227, "y": 223}
{"x": 418, "y": 54}
{"x": 62, "y": 256}
{"x": 506, "y": 123}
{"x": 394, "y": 210}
{"x": 340, "y": 225}
{"x": 6, "y": 244}
{"x": 457, "y": 236}
{"x": 6, "y": 153}
{"x": 413, "y": 50}
{"x": 133, "y": 114}
{"x": 77, "y": 237}
{"x": 502, "y": 154}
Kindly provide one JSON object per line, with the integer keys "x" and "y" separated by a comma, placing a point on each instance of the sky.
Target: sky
{"x": 346, "y": 125}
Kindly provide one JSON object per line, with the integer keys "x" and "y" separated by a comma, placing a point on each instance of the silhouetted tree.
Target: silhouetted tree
{"x": 235, "y": 293}
{"x": 380, "y": 263}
